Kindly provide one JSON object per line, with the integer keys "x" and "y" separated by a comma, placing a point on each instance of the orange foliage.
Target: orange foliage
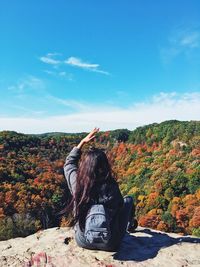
{"x": 152, "y": 198}
{"x": 162, "y": 226}
{"x": 33, "y": 175}
{"x": 182, "y": 218}
{"x": 150, "y": 221}
{"x": 195, "y": 152}
{"x": 195, "y": 221}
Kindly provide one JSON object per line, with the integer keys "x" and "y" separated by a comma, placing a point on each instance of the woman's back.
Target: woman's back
{"x": 91, "y": 182}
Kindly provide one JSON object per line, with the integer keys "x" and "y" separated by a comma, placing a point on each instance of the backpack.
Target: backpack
{"x": 97, "y": 225}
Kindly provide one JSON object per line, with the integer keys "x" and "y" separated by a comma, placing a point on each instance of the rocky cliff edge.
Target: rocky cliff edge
{"x": 56, "y": 247}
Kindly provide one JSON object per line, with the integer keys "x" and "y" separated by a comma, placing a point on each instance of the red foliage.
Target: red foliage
{"x": 150, "y": 221}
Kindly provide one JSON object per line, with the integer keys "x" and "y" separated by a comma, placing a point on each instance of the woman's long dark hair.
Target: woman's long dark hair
{"x": 94, "y": 169}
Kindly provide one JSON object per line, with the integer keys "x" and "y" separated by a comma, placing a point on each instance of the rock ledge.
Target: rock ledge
{"x": 56, "y": 247}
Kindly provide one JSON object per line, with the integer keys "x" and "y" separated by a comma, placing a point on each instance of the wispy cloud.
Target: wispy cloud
{"x": 50, "y": 72}
{"x": 28, "y": 111}
{"x": 49, "y": 59}
{"x": 26, "y": 84}
{"x": 161, "y": 107}
{"x": 75, "y": 105}
{"x": 77, "y": 62}
{"x": 52, "y": 61}
{"x": 191, "y": 39}
{"x": 63, "y": 74}
{"x": 74, "y": 61}
{"x": 180, "y": 42}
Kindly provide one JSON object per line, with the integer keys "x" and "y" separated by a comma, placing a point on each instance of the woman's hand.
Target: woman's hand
{"x": 89, "y": 137}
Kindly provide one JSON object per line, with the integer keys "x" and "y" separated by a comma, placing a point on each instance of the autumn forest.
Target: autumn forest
{"x": 158, "y": 164}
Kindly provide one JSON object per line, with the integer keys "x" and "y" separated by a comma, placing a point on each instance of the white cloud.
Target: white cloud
{"x": 72, "y": 61}
{"x": 191, "y": 39}
{"x": 27, "y": 83}
{"x": 77, "y": 62}
{"x": 28, "y": 111}
{"x": 76, "y": 105}
{"x": 54, "y": 54}
{"x": 63, "y": 74}
{"x": 50, "y": 72}
{"x": 165, "y": 106}
{"x": 68, "y": 76}
{"x": 181, "y": 41}
{"x": 49, "y": 59}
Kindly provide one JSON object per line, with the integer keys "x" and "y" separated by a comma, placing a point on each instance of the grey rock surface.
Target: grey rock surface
{"x": 56, "y": 247}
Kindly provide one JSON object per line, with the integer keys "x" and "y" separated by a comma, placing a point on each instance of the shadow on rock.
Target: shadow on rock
{"x": 141, "y": 248}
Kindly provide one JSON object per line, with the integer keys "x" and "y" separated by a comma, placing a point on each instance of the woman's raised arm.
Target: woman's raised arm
{"x": 71, "y": 162}
{"x": 88, "y": 138}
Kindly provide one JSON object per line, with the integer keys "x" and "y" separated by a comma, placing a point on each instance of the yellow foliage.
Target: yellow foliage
{"x": 176, "y": 200}
{"x": 133, "y": 190}
{"x": 190, "y": 200}
{"x": 155, "y": 212}
{"x": 152, "y": 212}
{"x": 198, "y": 194}
{"x": 141, "y": 198}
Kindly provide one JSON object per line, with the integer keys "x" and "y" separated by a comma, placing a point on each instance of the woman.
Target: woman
{"x": 92, "y": 182}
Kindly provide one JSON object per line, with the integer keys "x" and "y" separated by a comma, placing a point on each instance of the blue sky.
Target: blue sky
{"x": 72, "y": 65}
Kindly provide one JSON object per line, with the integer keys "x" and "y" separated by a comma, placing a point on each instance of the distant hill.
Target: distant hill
{"x": 158, "y": 164}
{"x": 166, "y": 132}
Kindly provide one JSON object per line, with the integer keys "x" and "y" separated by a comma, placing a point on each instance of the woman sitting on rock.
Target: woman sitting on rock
{"x": 92, "y": 185}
